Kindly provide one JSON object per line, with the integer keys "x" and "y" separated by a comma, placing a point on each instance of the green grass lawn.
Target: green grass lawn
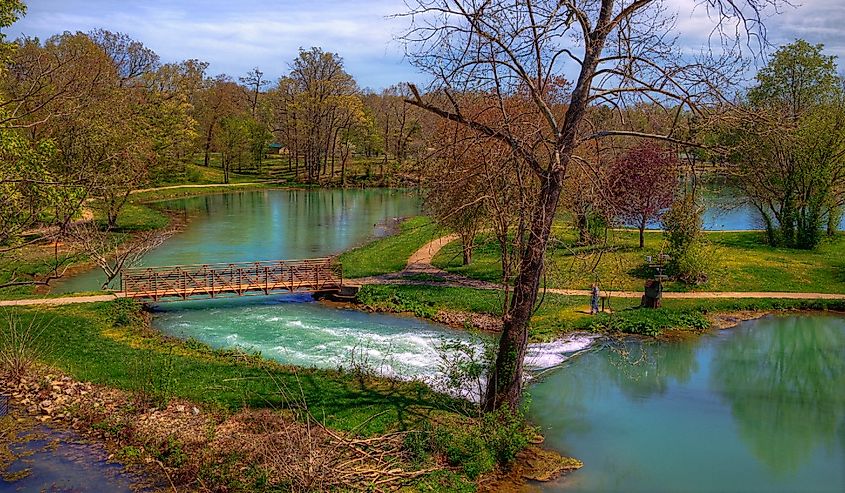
{"x": 558, "y": 315}
{"x": 360, "y": 171}
{"x": 741, "y": 262}
{"x": 198, "y": 174}
{"x": 109, "y": 344}
{"x": 389, "y": 254}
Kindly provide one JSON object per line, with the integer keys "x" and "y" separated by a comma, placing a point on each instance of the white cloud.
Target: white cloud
{"x": 236, "y": 36}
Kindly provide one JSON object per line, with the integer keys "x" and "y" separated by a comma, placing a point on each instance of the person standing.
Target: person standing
{"x": 594, "y": 299}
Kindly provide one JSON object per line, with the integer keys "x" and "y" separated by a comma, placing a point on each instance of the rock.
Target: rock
{"x": 195, "y": 411}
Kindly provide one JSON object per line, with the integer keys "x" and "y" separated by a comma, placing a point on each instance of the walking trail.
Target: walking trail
{"x": 209, "y": 185}
{"x": 419, "y": 271}
{"x": 420, "y": 263}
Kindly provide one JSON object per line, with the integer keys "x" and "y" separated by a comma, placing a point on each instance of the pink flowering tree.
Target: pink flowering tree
{"x": 643, "y": 184}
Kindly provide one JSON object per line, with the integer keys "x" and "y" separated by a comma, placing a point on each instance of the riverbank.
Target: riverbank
{"x": 105, "y": 344}
{"x": 176, "y": 405}
{"x": 740, "y": 262}
{"x": 559, "y": 315}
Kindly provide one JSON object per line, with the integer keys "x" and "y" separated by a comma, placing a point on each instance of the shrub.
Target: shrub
{"x": 126, "y": 312}
{"x": 691, "y": 255}
{"x": 465, "y": 447}
{"x": 506, "y": 434}
{"x": 649, "y": 322}
{"x": 395, "y": 301}
{"x": 692, "y": 264}
{"x": 476, "y": 446}
{"x": 22, "y": 343}
{"x": 682, "y": 223}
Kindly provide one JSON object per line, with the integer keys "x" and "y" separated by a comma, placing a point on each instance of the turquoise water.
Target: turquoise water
{"x": 293, "y": 329}
{"x": 296, "y": 330}
{"x": 269, "y": 225}
{"x": 758, "y": 408}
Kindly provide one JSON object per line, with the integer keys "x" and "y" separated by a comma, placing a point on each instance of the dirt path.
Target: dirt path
{"x": 420, "y": 263}
{"x": 174, "y": 187}
{"x": 67, "y": 300}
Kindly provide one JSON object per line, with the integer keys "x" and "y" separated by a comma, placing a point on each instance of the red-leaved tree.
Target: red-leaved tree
{"x": 643, "y": 183}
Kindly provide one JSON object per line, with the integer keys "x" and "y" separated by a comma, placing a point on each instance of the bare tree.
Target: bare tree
{"x": 109, "y": 252}
{"x": 131, "y": 58}
{"x": 254, "y": 81}
{"x": 622, "y": 51}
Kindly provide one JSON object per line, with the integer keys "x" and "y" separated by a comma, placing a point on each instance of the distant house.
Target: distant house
{"x": 275, "y": 149}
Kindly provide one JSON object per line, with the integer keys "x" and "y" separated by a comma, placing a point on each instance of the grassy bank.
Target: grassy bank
{"x": 39, "y": 259}
{"x": 558, "y": 315}
{"x": 390, "y": 254}
{"x": 111, "y": 345}
{"x": 741, "y": 261}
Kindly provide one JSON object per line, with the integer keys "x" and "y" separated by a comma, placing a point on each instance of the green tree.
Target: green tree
{"x": 789, "y": 145}
{"x": 798, "y": 78}
{"x": 10, "y": 12}
{"x": 232, "y": 142}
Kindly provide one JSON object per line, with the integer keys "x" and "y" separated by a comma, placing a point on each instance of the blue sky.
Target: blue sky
{"x": 236, "y": 35}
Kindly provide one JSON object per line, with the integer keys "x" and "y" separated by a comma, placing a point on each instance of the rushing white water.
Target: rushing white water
{"x": 543, "y": 356}
{"x": 297, "y": 331}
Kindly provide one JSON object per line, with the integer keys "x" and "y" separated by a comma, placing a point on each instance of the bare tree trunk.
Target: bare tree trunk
{"x": 504, "y": 387}
{"x": 642, "y": 232}
{"x": 467, "y": 253}
{"x": 208, "y": 144}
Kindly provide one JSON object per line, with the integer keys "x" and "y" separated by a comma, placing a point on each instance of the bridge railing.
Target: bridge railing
{"x": 236, "y": 277}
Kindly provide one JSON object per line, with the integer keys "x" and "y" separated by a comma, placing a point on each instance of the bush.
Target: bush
{"x": 395, "y": 301}
{"x": 466, "y": 448}
{"x": 682, "y": 223}
{"x": 126, "y": 312}
{"x": 692, "y": 264}
{"x": 691, "y": 255}
{"x": 477, "y": 446}
{"x": 649, "y": 322}
{"x": 506, "y": 434}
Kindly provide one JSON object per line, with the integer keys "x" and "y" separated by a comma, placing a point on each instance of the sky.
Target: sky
{"x": 237, "y": 35}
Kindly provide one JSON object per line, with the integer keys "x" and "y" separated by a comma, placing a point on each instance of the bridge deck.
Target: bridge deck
{"x": 241, "y": 278}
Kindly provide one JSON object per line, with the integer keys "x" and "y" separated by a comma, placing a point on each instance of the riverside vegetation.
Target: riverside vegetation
{"x": 202, "y": 416}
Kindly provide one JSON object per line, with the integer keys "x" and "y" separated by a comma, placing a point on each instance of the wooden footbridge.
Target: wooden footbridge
{"x": 243, "y": 278}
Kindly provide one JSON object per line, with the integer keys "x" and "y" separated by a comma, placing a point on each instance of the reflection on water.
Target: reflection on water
{"x": 60, "y": 461}
{"x": 786, "y": 388}
{"x": 757, "y": 408}
{"x": 643, "y": 370}
{"x": 269, "y": 225}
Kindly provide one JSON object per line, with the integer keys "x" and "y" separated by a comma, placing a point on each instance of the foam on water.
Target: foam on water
{"x": 295, "y": 331}
{"x": 543, "y": 356}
